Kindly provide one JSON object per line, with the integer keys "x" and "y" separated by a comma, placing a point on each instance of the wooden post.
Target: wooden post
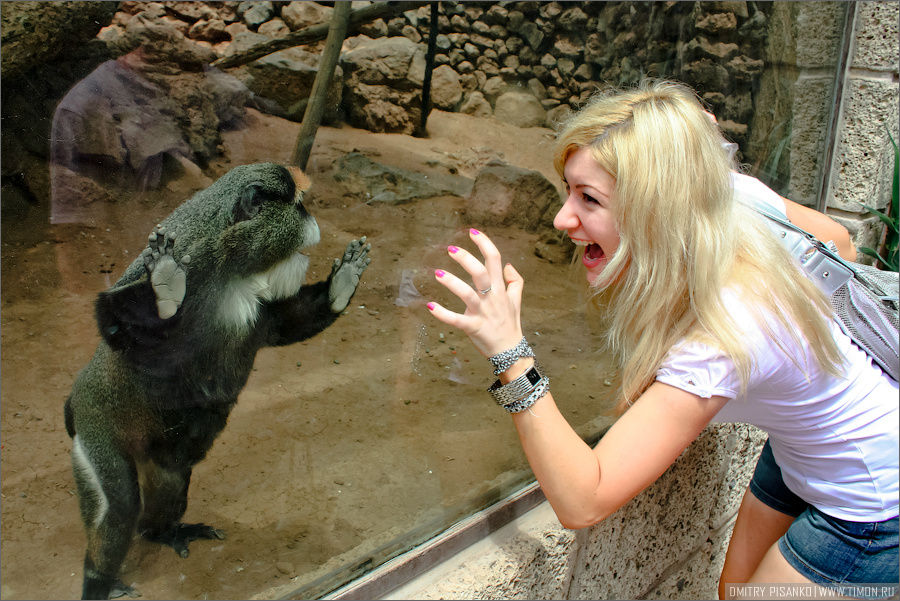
{"x": 315, "y": 108}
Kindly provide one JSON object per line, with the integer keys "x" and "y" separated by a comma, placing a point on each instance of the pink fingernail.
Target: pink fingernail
{"x": 439, "y": 273}
{"x": 452, "y": 249}
{"x": 474, "y": 232}
{"x": 430, "y": 306}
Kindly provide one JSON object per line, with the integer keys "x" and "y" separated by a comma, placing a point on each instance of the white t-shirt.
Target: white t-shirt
{"x": 752, "y": 191}
{"x": 834, "y": 438}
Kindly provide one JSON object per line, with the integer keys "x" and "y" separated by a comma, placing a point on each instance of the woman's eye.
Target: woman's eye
{"x": 590, "y": 199}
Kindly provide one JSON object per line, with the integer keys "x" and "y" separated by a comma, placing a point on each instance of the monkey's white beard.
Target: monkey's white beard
{"x": 240, "y": 302}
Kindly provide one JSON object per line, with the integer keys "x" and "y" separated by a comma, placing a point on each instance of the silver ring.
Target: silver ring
{"x": 485, "y": 291}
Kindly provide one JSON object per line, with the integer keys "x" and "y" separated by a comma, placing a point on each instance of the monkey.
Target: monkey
{"x": 221, "y": 277}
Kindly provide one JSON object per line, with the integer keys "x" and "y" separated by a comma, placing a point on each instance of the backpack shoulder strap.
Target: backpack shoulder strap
{"x": 820, "y": 263}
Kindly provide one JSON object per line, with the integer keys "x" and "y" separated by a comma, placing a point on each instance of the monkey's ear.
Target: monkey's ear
{"x": 248, "y": 204}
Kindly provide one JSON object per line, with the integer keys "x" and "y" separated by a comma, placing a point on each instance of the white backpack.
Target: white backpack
{"x": 865, "y": 299}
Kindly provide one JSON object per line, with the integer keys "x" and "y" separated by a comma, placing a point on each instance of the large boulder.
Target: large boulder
{"x": 366, "y": 180}
{"x": 446, "y": 89}
{"x": 34, "y": 33}
{"x": 520, "y": 109}
{"x": 170, "y": 76}
{"x": 507, "y": 195}
{"x": 300, "y": 15}
{"x": 128, "y": 115}
{"x": 286, "y": 78}
{"x": 117, "y": 117}
{"x": 383, "y": 84}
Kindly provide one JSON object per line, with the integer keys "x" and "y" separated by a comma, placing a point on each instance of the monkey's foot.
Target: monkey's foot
{"x": 179, "y": 536}
{"x": 345, "y": 273}
{"x": 98, "y": 586}
{"x": 120, "y": 589}
{"x": 166, "y": 276}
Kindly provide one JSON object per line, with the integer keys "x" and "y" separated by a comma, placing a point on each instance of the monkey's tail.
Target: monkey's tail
{"x": 70, "y": 417}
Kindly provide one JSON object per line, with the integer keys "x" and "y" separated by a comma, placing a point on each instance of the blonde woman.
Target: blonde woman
{"x": 712, "y": 321}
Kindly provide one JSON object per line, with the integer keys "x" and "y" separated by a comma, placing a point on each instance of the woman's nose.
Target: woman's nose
{"x": 566, "y": 219}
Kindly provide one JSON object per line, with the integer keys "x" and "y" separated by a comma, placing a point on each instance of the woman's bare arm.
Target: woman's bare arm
{"x": 585, "y": 485}
{"x": 821, "y": 226}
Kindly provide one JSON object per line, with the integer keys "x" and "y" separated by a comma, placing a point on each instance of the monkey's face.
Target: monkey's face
{"x": 244, "y": 234}
{"x": 268, "y": 224}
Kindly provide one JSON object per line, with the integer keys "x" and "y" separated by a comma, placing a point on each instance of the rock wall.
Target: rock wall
{"x": 524, "y": 62}
{"x": 559, "y": 52}
{"x": 765, "y": 69}
{"x": 528, "y": 63}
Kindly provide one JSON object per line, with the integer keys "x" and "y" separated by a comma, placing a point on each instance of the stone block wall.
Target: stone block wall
{"x": 863, "y": 163}
{"x": 767, "y": 70}
{"x": 526, "y": 62}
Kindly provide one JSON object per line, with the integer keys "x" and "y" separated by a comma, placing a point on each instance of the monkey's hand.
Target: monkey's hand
{"x": 166, "y": 276}
{"x": 345, "y": 274}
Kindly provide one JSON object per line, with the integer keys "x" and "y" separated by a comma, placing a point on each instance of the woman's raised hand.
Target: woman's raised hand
{"x": 492, "y": 319}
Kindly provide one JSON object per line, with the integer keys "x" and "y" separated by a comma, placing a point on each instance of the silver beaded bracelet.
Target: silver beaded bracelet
{"x": 504, "y": 360}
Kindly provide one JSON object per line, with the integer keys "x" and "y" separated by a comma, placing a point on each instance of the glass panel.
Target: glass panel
{"x": 352, "y": 446}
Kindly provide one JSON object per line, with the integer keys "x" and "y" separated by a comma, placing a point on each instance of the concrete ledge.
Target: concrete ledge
{"x": 531, "y": 557}
{"x": 669, "y": 542}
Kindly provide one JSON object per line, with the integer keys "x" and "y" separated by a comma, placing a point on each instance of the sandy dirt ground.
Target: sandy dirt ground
{"x": 343, "y": 450}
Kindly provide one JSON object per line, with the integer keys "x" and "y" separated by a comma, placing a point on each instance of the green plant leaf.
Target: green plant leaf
{"x": 892, "y": 265}
{"x": 885, "y": 219}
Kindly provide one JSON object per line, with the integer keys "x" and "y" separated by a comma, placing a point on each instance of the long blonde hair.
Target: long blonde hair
{"x": 683, "y": 238}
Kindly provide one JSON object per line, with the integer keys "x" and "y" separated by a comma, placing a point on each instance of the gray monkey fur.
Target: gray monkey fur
{"x": 221, "y": 277}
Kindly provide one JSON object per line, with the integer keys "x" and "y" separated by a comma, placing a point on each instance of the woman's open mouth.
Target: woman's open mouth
{"x": 593, "y": 253}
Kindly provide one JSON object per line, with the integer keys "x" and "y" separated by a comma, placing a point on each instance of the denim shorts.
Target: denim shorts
{"x": 824, "y": 549}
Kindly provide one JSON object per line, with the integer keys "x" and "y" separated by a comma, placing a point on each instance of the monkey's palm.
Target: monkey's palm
{"x": 345, "y": 273}
{"x": 166, "y": 276}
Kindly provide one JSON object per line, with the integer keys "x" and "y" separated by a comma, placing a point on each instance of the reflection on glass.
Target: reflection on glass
{"x": 350, "y": 447}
